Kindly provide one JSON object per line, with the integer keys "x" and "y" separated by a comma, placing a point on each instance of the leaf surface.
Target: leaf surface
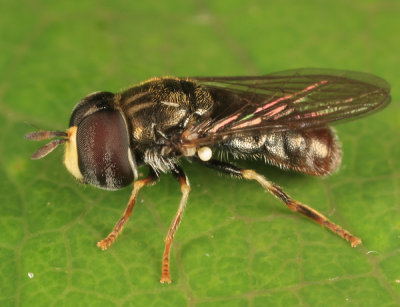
{"x": 237, "y": 245}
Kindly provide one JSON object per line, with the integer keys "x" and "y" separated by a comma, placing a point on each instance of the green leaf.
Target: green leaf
{"x": 237, "y": 245}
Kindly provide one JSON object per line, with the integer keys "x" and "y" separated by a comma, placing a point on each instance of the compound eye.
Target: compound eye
{"x": 103, "y": 150}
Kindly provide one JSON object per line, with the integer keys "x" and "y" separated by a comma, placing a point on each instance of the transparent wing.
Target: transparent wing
{"x": 288, "y": 100}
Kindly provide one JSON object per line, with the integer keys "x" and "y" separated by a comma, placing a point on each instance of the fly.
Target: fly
{"x": 283, "y": 118}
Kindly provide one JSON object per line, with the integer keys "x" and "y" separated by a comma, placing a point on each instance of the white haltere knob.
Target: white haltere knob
{"x": 204, "y": 153}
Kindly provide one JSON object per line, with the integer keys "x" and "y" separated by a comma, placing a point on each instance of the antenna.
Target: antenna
{"x": 45, "y": 135}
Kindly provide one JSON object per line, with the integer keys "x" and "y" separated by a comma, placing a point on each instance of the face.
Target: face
{"x": 97, "y": 151}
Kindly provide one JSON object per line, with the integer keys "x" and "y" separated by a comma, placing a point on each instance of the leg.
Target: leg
{"x": 282, "y": 196}
{"x": 137, "y": 185}
{"x": 185, "y": 189}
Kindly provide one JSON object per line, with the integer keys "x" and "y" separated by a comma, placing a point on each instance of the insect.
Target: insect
{"x": 282, "y": 118}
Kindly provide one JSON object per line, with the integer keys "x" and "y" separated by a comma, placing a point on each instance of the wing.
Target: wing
{"x": 288, "y": 100}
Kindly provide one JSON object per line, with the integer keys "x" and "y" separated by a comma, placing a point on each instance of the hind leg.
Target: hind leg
{"x": 282, "y": 196}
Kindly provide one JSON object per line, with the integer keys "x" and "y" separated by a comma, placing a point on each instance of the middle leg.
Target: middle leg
{"x": 185, "y": 189}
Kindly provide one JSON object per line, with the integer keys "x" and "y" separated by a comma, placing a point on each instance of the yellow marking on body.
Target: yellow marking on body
{"x": 134, "y": 97}
{"x": 71, "y": 154}
{"x": 159, "y": 79}
{"x": 319, "y": 148}
{"x": 139, "y": 107}
{"x": 137, "y": 132}
{"x": 298, "y": 140}
{"x": 188, "y": 151}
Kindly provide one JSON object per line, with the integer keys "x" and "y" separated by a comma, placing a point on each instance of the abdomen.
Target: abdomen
{"x": 315, "y": 151}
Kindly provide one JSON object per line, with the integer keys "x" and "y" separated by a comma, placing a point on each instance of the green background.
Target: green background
{"x": 237, "y": 245}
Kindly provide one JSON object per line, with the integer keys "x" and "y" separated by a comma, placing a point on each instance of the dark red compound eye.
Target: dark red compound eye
{"x": 103, "y": 150}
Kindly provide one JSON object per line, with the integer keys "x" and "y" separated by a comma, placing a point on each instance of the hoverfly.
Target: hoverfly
{"x": 282, "y": 118}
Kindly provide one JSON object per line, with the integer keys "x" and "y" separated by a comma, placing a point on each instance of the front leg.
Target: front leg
{"x": 137, "y": 185}
{"x": 185, "y": 189}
